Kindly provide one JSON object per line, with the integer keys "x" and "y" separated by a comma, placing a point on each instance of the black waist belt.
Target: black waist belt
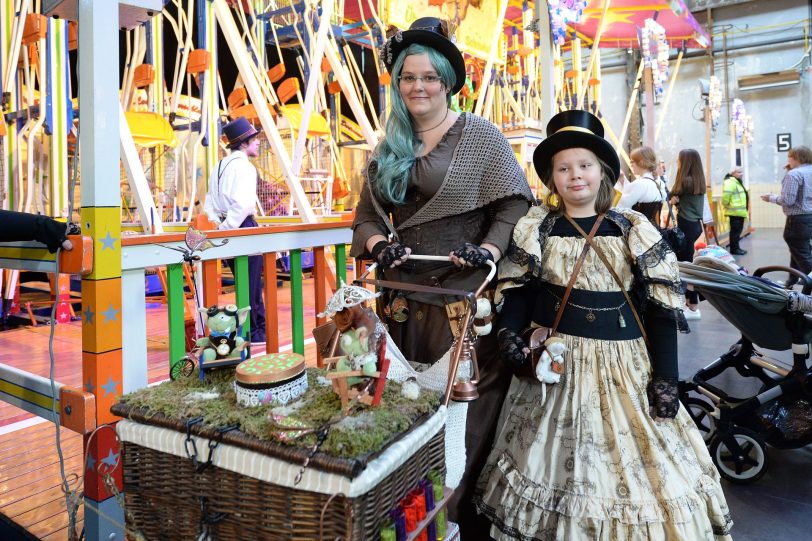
{"x": 590, "y": 314}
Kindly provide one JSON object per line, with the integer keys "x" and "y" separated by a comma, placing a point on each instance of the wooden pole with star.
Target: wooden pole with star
{"x": 101, "y": 289}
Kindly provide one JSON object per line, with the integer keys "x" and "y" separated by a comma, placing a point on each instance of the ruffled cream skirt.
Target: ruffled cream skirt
{"x": 589, "y": 463}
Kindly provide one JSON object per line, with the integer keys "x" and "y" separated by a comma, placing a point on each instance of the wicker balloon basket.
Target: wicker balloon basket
{"x": 246, "y": 490}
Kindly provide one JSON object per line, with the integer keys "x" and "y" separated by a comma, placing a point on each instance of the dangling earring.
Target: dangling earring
{"x": 552, "y": 200}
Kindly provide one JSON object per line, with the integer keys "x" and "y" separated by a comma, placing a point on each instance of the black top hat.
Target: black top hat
{"x": 239, "y": 131}
{"x": 575, "y": 129}
{"x": 431, "y": 32}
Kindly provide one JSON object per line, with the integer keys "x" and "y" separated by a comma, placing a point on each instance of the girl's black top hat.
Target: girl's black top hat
{"x": 431, "y": 32}
{"x": 239, "y": 131}
{"x": 575, "y": 129}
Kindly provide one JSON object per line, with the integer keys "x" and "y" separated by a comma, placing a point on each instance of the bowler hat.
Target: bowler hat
{"x": 575, "y": 129}
{"x": 239, "y": 131}
{"x": 431, "y": 32}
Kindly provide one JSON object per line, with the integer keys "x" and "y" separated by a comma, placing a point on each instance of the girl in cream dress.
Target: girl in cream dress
{"x": 609, "y": 453}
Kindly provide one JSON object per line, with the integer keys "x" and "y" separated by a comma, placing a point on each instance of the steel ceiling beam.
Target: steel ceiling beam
{"x": 699, "y": 5}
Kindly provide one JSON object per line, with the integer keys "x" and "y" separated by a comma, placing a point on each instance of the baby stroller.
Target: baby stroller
{"x": 737, "y": 429}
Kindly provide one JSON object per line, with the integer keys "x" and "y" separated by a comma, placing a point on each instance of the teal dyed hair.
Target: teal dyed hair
{"x": 396, "y": 153}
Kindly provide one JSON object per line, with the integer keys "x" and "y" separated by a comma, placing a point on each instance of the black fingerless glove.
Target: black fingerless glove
{"x": 663, "y": 397}
{"x": 510, "y": 348}
{"x": 386, "y": 253}
{"x": 50, "y": 232}
{"x": 474, "y": 255}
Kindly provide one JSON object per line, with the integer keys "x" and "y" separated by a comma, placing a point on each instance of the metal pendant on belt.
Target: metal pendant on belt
{"x": 398, "y": 308}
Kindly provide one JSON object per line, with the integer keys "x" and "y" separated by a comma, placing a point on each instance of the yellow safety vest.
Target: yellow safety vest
{"x": 734, "y": 197}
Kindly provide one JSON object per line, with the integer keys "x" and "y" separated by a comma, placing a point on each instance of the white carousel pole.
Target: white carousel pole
{"x": 313, "y": 83}
{"x": 137, "y": 179}
{"x": 595, "y": 52}
{"x": 252, "y": 86}
{"x": 486, "y": 73}
{"x": 350, "y": 93}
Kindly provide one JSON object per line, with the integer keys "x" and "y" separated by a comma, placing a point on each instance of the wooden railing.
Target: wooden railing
{"x": 142, "y": 252}
{"x": 70, "y": 407}
{"x": 139, "y": 253}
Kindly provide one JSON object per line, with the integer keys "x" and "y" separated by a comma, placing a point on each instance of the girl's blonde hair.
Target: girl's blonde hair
{"x": 645, "y": 158}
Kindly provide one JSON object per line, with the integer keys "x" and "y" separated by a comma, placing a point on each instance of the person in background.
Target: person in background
{"x": 645, "y": 193}
{"x": 446, "y": 184}
{"x": 661, "y": 174}
{"x": 735, "y": 203}
{"x": 606, "y": 453}
{"x": 796, "y": 201}
{"x": 230, "y": 203}
{"x": 21, "y": 226}
{"x": 689, "y": 194}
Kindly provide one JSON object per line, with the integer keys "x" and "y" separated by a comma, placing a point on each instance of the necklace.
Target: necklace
{"x": 590, "y": 315}
{"x": 438, "y": 125}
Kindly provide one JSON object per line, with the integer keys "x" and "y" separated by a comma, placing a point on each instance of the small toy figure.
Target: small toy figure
{"x": 357, "y": 354}
{"x": 362, "y": 341}
{"x": 224, "y": 325}
{"x": 551, "y": 361}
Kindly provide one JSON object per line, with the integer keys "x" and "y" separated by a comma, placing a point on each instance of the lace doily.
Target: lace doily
{"x": 347, "y": 296}
{"x": 281, "y": 394}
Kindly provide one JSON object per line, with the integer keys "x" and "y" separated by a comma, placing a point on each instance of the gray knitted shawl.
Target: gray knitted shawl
{"x": 483, "y": 169}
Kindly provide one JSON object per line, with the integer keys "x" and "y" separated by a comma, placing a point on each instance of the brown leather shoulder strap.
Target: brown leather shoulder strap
{"x": 578, "y": 264}
{"x": 602, "y": 256}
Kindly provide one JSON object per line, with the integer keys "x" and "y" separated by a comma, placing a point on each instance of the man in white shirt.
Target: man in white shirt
{"x": 231, "y": 201}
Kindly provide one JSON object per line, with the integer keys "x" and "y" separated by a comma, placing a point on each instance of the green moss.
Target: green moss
{"x": 366, "y": 431}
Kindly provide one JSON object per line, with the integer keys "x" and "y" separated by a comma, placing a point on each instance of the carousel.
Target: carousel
{"x": 176, "y": 427}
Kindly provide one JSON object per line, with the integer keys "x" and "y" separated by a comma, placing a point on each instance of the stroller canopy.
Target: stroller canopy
{"x": 757, "y": 308}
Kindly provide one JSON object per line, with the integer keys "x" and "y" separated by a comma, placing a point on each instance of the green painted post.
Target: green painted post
{"x": 296, "y": 301}
{"x": 241, "y": 291}
{"x": 175, "y": 300}
{"x": 341, "y": 264}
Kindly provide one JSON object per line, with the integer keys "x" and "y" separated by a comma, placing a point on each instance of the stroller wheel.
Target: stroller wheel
{"x": 740, "y": 455}
{"x": 700, "y": 411}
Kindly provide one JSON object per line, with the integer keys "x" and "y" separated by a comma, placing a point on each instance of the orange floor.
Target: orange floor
{"x": 30, "y": 492}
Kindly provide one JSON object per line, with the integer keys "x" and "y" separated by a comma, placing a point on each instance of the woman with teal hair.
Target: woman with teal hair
{"x": 439, "y": 183}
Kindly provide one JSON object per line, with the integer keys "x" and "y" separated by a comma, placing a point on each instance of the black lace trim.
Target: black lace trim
{"x": 621, "y": 221}
{"x": 651, "y": 258}
{"x": 658, "y": 309}
{"x": 724, "y": 529}
{"x": 497, "y": 521}
{"x": 518, "y": 280}
{"x": 531, "y": 262}
{"x": 654, "y": 255}
{"x": 522, "y": 258}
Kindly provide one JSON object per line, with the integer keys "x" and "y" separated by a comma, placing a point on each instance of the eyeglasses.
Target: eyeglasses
{"x": 409, "y": 80}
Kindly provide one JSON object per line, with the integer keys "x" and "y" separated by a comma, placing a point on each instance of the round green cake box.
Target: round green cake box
{"x": 271, "y": 378}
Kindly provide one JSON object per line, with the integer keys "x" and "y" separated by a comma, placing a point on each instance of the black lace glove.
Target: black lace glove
{"x": 663, "y": 397}
{"x": 473, "y": 255}
{"x": 386, "y": 253}
{"x": 510, "y": 348}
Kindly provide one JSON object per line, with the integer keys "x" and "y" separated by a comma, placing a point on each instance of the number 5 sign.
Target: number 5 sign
{"x": 783, "y": 141}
